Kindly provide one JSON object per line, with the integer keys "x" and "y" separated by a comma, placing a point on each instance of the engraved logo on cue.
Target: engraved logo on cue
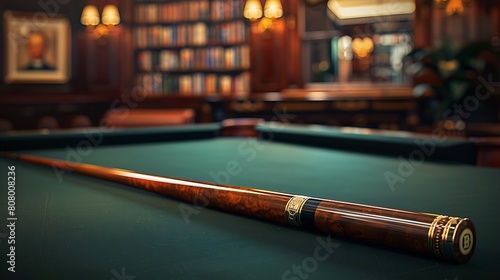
{"x": 466, "y": 241}
{"x": 293, "y": 209}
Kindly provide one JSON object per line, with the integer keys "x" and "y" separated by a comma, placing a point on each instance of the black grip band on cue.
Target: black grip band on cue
{"x": 307, "y": 213}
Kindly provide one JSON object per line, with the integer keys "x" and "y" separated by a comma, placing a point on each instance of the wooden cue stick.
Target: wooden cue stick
{"x": 443, "y": 237}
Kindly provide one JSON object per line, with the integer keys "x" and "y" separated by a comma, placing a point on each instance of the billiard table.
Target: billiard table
{"x": 71, "y": 226}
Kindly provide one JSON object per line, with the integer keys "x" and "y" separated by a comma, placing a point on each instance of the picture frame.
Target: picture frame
{"x": 37, "y": 48}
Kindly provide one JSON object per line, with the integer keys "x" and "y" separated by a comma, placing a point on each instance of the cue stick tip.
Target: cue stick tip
{"x": 9, "y": 155}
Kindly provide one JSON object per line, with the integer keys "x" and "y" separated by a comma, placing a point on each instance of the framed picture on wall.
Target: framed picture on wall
{"x": 37, "y": 48}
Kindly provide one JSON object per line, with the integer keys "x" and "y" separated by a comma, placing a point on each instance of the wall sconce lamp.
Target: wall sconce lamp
{"x": 453, "y": 7}
{"x": 272, "y": 11}
{"x": 90, "y": 18}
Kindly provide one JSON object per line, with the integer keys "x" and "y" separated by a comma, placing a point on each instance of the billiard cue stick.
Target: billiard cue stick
{"x": 443, "y": 237}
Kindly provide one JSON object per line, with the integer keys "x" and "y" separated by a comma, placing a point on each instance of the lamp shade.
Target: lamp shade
{"x": 90, "y": 15}
{"x": 350, "y": 9}
{"x": 253, "y": 9}
{"x": 273, "y": 9}
{"x": 110, "y": 15}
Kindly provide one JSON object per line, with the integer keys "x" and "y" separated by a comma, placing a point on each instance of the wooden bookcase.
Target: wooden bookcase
{"x": 191, "y": 48}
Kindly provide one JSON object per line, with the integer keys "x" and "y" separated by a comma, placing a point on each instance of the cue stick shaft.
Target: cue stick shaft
{"x": 443, "y": 237}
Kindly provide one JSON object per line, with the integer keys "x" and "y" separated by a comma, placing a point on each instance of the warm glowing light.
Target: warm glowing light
{"x": 273, "y": 9}
{"x": 265, "y": 24}
{"x": 110, "y": 15}
{"x": 362, "y": 47}
{"x": 90, "y": 16}
{"x": 252, "y": 10}
{"x": 100, "y": 31}
{"x": 348, "y": 9}
{"x": 455, "y": 7}
{"x": 345, "y": 48}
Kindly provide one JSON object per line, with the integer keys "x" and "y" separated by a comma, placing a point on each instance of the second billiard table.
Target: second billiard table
{"x": 71, "y": 226}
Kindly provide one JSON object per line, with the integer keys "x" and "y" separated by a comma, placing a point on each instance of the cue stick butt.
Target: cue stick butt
{"x": 446, "y": 238}
{"x": 452, "y": 239}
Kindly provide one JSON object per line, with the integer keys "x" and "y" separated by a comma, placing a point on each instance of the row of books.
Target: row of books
{"x": 196, "y": 34}
{"x": 194, "y": 10}
{"x": 210, "y": 58}
{"x": 197, "y": 84}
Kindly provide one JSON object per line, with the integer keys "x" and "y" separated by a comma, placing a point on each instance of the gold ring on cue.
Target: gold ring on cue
{"x": 444, "y": 241}
{"x": 293, "y": 209}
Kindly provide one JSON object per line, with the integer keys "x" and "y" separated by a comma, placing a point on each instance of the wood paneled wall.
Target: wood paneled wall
{"x": 276, "y": 53}
{"x": 479, "y": 22}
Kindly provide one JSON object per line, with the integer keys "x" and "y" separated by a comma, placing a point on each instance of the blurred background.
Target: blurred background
{"x": 410, "y": 65}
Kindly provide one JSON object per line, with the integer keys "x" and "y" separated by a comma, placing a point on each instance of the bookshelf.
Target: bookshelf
{"x": 191, "y": 48}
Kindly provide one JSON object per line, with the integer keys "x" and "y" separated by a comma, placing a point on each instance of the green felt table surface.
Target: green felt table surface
{"x": 74, "y": 227}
